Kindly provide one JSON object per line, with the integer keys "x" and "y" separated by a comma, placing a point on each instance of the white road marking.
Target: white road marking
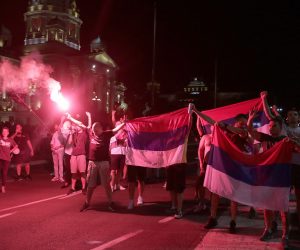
{"x": 167, "y": 219}
{"x": 118, "y": 240}
{"x": 70, "y": 195}
{"x": 93, "y": 242}
{"x": 32, "y": 203}
{"x": 5, "y": 215}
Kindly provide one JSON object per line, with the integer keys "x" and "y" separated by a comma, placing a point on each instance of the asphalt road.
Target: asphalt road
{"x": 38, "y": 215}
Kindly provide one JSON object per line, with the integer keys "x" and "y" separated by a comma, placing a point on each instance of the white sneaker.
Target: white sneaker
{"x": 140, "y": 201}
{"x": 54, "y": 179}
{"x": 178, "y": 215}
{"x": 130, "y": 204}
{"x": 61, "y": 180}
{"x": 122, "y": 188}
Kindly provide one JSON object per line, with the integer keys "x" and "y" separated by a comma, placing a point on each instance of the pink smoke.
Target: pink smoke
{"x": 18, "y": 78}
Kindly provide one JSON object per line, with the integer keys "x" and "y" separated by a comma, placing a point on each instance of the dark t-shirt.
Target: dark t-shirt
{"x": 99, "y": 146}
{"x": 22, "y": 143}
{"x": 79, "y": 143}
{"x": 241, "y": 142}
{"x": 270, "y": 140}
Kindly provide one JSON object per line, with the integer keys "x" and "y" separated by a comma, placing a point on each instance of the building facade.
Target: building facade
{"x": 87, "y": 78}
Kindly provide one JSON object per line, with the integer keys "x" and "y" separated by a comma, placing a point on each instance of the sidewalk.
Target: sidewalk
{"x": 248, "y": 232}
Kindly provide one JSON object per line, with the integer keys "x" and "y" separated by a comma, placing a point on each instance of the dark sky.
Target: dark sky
{"x": 255, "y": 43}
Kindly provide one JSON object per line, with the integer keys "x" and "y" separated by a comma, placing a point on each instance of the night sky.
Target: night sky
{"x": 255, "y": 43}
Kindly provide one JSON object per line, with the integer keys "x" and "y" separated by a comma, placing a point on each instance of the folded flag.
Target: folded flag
{"x": 227, "y": 113}
{"x": 261, "y": 180}
{"x": 158, "y": 141}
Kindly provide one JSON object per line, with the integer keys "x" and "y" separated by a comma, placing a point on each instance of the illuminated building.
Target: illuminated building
{"x": 53, "y": 30}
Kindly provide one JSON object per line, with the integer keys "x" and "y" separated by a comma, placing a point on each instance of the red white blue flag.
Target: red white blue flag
{"x": 158, "y": 141}
{"x": 261, "y": 180}
{"x": 227, "y": 113}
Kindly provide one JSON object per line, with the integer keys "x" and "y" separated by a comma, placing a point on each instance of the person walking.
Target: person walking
{"x": 7, "y": 146}
{"x": 26, "y": 152}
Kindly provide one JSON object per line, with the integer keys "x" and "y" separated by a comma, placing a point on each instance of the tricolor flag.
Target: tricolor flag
{"x": 158, "y": 141}
{"x": 227, "y": 113}
{"x": 261, "y": 180}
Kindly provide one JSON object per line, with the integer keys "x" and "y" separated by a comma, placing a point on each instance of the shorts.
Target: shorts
{"x": 296, "y": 176}
{"x": 176, "y": 178}
{"x": 98, "y": 173}
{"x": 22, "y": 157}
{"x": 117, "y": 162}
{"x": 78, "y": 164}
{"x": 135, "y": 173}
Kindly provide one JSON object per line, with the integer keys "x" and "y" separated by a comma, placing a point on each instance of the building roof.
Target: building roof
{"x": 104, "y": 58}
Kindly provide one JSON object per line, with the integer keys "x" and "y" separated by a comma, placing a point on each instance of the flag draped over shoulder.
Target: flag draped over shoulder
{"x": 261, "y": 180}
{"x": 227, "y": 113}
{"x": 158, "y": 141}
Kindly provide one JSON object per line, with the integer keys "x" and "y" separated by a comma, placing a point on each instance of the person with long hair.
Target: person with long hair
{"x": 7, "y": 146}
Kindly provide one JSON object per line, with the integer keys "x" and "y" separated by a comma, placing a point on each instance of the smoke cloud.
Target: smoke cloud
{"x": 17, "y": 79}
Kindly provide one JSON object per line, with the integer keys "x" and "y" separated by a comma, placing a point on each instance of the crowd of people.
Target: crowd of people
{"x": 94, "y": 153}
{"x": 251, "y": 141}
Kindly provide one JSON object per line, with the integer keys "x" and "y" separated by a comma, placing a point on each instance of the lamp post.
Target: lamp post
{"x": 216, "y": 82}
{"x": 153, "y": 55}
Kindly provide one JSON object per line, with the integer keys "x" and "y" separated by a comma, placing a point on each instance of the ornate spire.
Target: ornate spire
{"x": 96, "y": 45}
{"x": 53, "y": 20}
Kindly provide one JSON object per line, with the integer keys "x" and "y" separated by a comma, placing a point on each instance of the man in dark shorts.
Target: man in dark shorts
{"x": 176, "y": 186}
{"x": 136, "y": 174}
{"x": 117, "y": 148}
{"x": 26, "y": 152}
{"x": 98, "y": 165}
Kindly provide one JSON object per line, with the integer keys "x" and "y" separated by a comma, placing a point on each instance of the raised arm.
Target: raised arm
{"x": 267, "y": 110}
{"x": 89, "y": 116}
{"x": 78, "y": 123}
{"x": 252, "y": 113}
{"x": 113, "y": 117}
{"x": 275, "y": 111}
{"x": 117, "y": 128}
{"x": 221, "y": 124}
{"x": 199, "y": 127}
{"x": 203, "y": 116}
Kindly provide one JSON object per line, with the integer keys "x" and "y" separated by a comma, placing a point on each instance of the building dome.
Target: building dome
{"x": 52, "y": 20}
{"x": 96, "y": 45}
{"x": 61, "y": 5}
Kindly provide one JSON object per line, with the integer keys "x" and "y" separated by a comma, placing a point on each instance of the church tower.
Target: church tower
{"x": 49, "y": 21}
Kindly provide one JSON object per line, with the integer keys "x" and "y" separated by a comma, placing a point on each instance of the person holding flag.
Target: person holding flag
{"x": 292, "y": 129}
{"x": 238, "y": 134}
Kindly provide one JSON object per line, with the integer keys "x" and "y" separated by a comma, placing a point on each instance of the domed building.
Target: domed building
{"x": 87, "y": 78}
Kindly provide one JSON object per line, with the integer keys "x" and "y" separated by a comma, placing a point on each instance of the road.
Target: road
{"x": 38, "y": 215}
